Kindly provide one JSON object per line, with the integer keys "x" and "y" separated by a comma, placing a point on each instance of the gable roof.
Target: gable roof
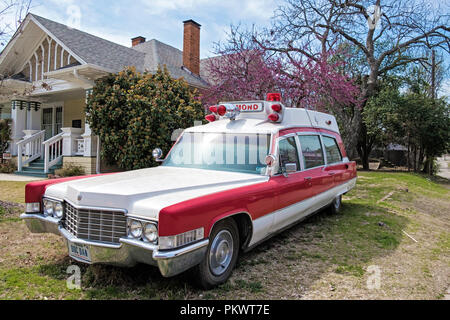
{"x": 159, "y": 54}
{"x": 92, "y": 49}
{"x": 108, "y": 55}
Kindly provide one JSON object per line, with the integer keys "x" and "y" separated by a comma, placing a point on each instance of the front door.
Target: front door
{"x": 47, "y": 122}
{"x": 52, "y": 121}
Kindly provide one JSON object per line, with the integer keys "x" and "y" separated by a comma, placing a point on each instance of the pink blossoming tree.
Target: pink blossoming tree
{"x": 243, "y": 71}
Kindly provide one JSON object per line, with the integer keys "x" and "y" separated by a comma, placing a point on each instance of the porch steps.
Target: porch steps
{"x": 36, "y": 169}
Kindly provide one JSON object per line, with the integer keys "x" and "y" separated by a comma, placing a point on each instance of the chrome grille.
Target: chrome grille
{"x": 95, "y": 224}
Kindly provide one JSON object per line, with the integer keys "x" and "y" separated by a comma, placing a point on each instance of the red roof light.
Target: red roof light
{"x": 277, "y": 108}
{"x": 213, "y": 109}
{"x": 274, "y": 97}
{"x": 210, "y": 118}
{"x": 222, "y": 110}
{"x": 274, "y": 117}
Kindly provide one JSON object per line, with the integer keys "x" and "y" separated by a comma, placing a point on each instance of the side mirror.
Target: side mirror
{"x": 270, "y": 160}
{"x": 158, "y": 154}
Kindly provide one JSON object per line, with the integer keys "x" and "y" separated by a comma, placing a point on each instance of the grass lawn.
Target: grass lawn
{"x": 12, "y": 191}
{"x": 396, "y": 223}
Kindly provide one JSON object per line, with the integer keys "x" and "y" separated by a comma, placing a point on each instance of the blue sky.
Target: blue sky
{"x": 119, "y": 21}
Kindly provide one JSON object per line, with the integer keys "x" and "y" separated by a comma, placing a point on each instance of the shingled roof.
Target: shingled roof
{"x": 103, "y": 53}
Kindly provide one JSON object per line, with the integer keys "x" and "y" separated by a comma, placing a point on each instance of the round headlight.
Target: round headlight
{"x": 136, "y": 229}
{"x": 58, "y": 210}
{"x": 151, "y": 232}
{"x": 48, "y": 208}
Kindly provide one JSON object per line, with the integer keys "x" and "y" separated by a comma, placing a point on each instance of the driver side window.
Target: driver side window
{"x": 288, "y": 153}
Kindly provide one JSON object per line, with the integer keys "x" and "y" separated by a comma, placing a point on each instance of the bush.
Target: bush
{"x": 70, "y": 171}
{"x": 8, "y": 167}
{"x": 134, "y": 113}
{"x": 5, "y": 135}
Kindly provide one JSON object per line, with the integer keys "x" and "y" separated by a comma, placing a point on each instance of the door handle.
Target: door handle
{"x": 308, "y": 178}
{"x": 331, "y": 173}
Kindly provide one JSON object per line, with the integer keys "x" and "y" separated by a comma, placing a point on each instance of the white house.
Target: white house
{"x": 46, "y": 71}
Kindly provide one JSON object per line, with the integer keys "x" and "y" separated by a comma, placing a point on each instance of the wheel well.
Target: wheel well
{"x": 245, "y": 226}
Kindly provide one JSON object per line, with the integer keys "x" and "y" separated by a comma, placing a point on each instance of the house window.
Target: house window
{"x": 76, "y": 124}
{"x": 59, "y": 120}
{"x": 52, "y": 121}
{"x": 47, "y": 122}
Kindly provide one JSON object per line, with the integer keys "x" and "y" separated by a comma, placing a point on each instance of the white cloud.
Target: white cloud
{"x": 445, "y": 89}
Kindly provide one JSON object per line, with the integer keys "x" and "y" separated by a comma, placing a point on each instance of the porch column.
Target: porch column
{"x": 33, "y": 117}
{"x": 90, "y": 140}
{"x": 70, "y": 141}
{"x": 19, "y": 123}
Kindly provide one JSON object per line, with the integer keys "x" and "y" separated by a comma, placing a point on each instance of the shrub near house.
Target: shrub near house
{"x": 5, "y": 135}
{"x": 134, "y": 113}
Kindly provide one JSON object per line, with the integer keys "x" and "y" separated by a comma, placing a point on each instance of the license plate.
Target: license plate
{"x": 79, "y": 251}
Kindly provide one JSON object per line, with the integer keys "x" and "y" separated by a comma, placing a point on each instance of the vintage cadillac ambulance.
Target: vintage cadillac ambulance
{"x": 256, "y": 169}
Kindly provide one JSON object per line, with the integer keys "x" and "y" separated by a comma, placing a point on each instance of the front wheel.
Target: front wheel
{"x": 221, "y": 257}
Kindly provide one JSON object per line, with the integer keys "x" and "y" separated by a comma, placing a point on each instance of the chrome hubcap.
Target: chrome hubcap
{"x": 221, "y": 252}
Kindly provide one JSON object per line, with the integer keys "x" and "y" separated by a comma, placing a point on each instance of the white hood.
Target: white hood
{"x": 145, "y": 192}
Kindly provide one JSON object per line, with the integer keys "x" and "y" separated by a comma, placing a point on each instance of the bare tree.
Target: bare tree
{"x": 389, "y": 34}
{"x": 12, "y": 12}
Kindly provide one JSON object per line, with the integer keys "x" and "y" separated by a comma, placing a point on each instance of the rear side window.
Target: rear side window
{"x": 288, "y": 152}
{"x": 332, "y": 150}
{"x": 312, "y": 151}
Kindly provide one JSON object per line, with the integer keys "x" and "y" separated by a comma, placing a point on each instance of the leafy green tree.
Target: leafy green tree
{"x": 134, "y": 113}
{"x": 381, "y": 114}
{"x": 411, "y": 118}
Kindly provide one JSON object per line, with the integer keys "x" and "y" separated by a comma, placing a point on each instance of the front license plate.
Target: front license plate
{"x": 79, "y": 251}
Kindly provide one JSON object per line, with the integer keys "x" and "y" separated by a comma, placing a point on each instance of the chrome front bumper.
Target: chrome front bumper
{"x": 128, "y": 252}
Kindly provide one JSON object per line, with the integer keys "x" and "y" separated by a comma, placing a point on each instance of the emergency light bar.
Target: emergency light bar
{"x": 231, "y": 110}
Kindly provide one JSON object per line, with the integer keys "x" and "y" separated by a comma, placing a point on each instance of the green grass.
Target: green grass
{"x": 12, "y": 191}
{"x": 365, "y": 231}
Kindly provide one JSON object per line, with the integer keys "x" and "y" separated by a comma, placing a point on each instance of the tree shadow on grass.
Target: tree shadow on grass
{"x": 345, "y": 242}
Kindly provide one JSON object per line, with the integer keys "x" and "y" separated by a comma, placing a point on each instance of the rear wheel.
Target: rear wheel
{"x": 221, "y": 257}
{"x": 336, "y": 205}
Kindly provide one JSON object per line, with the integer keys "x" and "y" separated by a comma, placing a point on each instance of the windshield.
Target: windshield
{"x": 221, "y": 151}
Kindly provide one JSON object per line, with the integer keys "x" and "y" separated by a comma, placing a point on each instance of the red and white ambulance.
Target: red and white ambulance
{"x": 254, "y": 170}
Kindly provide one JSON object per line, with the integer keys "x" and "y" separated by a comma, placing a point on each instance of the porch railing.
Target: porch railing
{"x": 30, "y": 149}
{"x": 53, "y": 151}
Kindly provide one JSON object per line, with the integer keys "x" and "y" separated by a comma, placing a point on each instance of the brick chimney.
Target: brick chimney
{"x": 191, "y": 46}
{"x": 137, "y": 40}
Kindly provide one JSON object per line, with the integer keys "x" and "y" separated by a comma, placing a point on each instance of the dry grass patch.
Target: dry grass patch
{"x": 325, "y": 257}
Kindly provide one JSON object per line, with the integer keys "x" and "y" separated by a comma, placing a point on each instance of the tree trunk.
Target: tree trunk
{"x": 408, "y": 157}
{"x": 415, "y": 158}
